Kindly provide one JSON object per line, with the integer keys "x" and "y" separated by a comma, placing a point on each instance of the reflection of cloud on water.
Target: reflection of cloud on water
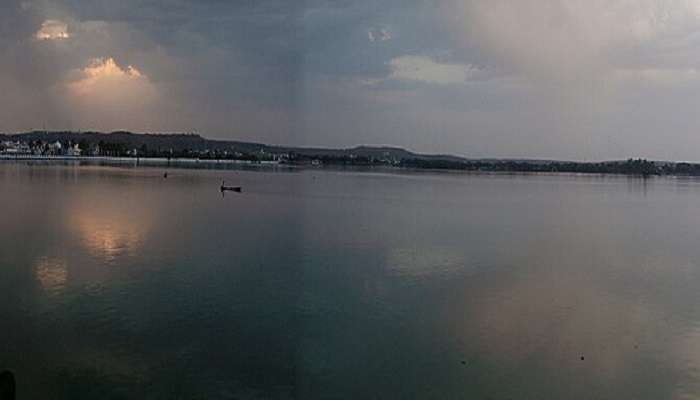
{"x": 110, "y": 228}
{"x": 419, "y": 262}
{"x": 557, "y": 317}
{"x": 51, "y": 273}
{"x": 620, "y": 297}
{"x": 107, "y": 237}
{"x": 685, "y": 353}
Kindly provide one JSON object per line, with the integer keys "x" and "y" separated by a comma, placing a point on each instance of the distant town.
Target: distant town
{"x": 173, "y": 147}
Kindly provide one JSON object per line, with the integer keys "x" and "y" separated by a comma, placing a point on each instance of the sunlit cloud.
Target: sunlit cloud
{"x": 104, "y": 75}
{"x": 52, "y": 29}
{"x": 104, "y": 93}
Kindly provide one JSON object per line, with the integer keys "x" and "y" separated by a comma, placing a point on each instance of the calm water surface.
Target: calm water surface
{"x": 116, "y": 283}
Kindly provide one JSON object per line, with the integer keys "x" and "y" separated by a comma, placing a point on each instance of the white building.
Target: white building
{"x": 56, "y": 148}
{"x": 74, "y": 151}
{"x": 15, "y": 148}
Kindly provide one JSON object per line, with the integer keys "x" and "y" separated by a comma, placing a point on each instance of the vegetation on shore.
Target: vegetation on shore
{"x": 191, "y": 146}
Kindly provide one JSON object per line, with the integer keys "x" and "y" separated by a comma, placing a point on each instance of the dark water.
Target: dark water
{"x": 119, "y": 284}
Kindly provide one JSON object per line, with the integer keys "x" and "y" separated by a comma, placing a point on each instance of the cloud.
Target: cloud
{"x": 658, "y": 76}
{"x": 52, "y": 29}
{"x": 559, "y": 39}
{"x": 540, "y": 78}
{"x": 379, "y": 35}
{"x": 425, "y": 69}
{"x": 103, "y": 93}
{"x": 104, "y": 77}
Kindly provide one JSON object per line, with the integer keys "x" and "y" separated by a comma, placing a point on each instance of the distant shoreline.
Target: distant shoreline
{"x": 129, "y": 160}
{"x": 191, "y": 163}
{"x": 190, "y": 150}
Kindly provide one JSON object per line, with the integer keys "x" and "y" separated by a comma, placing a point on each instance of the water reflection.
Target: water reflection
{"x": 417, "y": 262}
{"x": 111, "y": 228}
{"x": 109, "y": 236}
{"x": 51, "y": 273}
{"x": 560, "y": 318}
{"x": 392, "y": 282}
{"x": 686, "y": 353}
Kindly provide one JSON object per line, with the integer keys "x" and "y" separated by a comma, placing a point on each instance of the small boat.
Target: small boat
{"x": 225, "y": 188}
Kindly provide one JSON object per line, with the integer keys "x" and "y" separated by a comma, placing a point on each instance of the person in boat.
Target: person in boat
{"x": 229, "y": 188}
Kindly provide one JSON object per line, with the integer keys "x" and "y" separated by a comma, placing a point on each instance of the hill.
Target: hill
{"x": 179, "y": 144}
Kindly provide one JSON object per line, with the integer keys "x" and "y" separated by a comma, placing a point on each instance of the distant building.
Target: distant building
{"x": 74, "y": 151}
{"x": 56, "y": 148}
{"x": 14, "y": 148}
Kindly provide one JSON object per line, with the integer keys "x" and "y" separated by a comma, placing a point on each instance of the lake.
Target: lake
{"x": 317, "y": 284}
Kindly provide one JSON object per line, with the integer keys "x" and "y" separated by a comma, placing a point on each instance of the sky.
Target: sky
{"x": 547, "y": 79}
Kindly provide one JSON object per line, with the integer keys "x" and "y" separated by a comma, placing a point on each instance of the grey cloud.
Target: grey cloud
{"x": 542, "y": 78}
{"x": 378, "y": 34}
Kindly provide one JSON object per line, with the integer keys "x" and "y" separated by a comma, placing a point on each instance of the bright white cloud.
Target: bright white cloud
{"x": 104, "y": 77}
{"x": 106, "y": 94}
{"x": 52, "y": 29}
{"x": 425, "y": 69}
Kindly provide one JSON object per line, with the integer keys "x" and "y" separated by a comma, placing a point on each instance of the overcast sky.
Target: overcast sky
{"x": 562, "y": 79}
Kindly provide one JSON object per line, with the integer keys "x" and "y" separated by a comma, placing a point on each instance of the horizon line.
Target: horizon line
{"x": 351, "y": 147}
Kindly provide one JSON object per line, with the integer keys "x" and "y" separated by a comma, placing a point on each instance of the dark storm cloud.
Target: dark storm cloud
{"x": 209, "y": 59}
{"x": 338, "y": 35}
{"x": 218, "y": 58}
{"x": 528, "y": 78}
{"x": 242, "y": 47}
